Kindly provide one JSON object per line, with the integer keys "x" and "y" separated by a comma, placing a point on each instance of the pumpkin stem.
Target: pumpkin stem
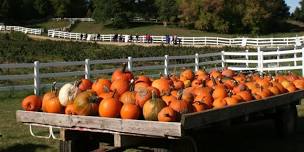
{"x": 77, "y": 83}
{"x": 94, "y": 99}
{"x": 53, "y": 89}
{"x": 154, "y": 95}
{"x": 124, "y": 66}
{"x": 106, "y": 89}
{"x": 213, "y": 81}
{"x": 114, "y": 93}
{"x": 180, "y": 94}
{"x": 132, "y": 85}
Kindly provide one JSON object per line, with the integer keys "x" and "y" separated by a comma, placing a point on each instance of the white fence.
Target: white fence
{"x": 75, "y": 19}
{"x": 261, "y": 61}
{"x": 195, "y": 41}
{"x": 35, "y": 31}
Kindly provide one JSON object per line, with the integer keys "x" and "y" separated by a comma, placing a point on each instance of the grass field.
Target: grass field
{"x": 51, "y": 24}
{"x": 251, "y": 137}
{"x": 157, "y": 29}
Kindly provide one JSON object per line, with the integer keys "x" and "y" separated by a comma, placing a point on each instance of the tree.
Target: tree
{"x": 167, "y": 10}
{"x": 42, "y": 7}
{"x": 298, "y": 14}
{"x": 116, "y": 12}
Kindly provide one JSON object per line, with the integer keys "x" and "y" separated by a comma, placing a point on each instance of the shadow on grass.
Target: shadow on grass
{"x": 252, "y": 137}
{"x": 24, "y": 148}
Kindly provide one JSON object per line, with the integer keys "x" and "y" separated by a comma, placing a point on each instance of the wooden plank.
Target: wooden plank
{"x": 112, "y": 125}
{"x": 201, "y": 119}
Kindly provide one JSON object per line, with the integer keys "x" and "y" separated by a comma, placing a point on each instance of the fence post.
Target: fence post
{"x": 183, "y": 39}
{"x": 36, "y": 78}
{"x": 247, "y": 58}
{"x": 295, "y": 56}
{"x": 260, "y": 60}
{"x": 196, "y": 62}
{"x": 130, "y": 60}
{"x": 193, "y": 43}
{"x": 217, "y": 41}
{"x": 271, "y": 41}
{"x": 223, "y": 58}
{"x": 87, "y": 69}
{"x": 278, "y": 57}
{"x": 303, "y": 62}
{"x": 166, "y": 62}
{"x": 205, "y": 40}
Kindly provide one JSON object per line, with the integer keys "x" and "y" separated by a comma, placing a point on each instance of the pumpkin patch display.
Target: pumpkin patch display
{"x": 164, "y": 98}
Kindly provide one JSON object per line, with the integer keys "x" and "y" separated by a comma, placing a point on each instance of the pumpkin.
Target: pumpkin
{"x": 139, "y": 85}
{"x": 239, "y": 88}
{"x": 227, "y": 72}
{"x": 68, "y": 92}
{"x": 110, "y": 107}
{"x": 219, "y": 103}
{"x": 274, "y": 90}
{"x": 143, "y": 78}
{"x": 162, "y": 85}
{"x": 85, "y": 84}
{"x": 201, "y": 75}
{"x": 53, "y": 105}
{"x": 179, "y": 105}
{"x": 215, "y": 74}
{"x": 31, "y": 103}
{"x": 122, "y": 74}
{"x": 245, "y": 95}
{"x": 167, "y": 114}
{"x": 187, "y": 75}
{"x": 168, "y": 99}
{"x": 69, "y": 110}
{"x": 177, "y": 84}
{"x": 47, "y": 96}
{"x": 219, "y": 92}
{"x": 197, "y": 83}
{"x": 86, "y": 103}
{"x": 100, "y": 85}
{"x": 142, "y": 95}
{"x": 299, "y": 84}
{"x": 152, "y": 107}
{"x": 128, "y": 97}
{"x": 121, "y": 86}
{"x": 199, "y": 106}
{"x": 231, "y": 101}
{"x": 130, "y": 111}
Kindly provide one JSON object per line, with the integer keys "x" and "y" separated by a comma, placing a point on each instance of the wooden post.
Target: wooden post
{"x": 223, "y": 58}
{"x": 217, "y": 41}
{"x": 260, "y": 60}
{"x": 183, "y": 39}
{"x": 278, "y": 57}
{"x": 36, "y": 78}
{"x": 193, "y": 43}
{"x": 205, "y": 40}
{"x": 303, "y": 62}
{"x": 130, "y": 60}
{"x": 166, "y": 62}
{"x": 196, "y": 62}
{"x": 271, "y": 41}
{"x": 247, "y": 58}
{"x": 295, "y": 56}
{"x": 87, "y": 69}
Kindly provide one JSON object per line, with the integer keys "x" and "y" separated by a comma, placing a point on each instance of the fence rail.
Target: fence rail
{"x": 75, "y": 19}
{"x": 35, "y": 31}
{"x": 270, "y": 60}
{"x": 186, "y": 41}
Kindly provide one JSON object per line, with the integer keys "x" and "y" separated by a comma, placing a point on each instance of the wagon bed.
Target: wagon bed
{"x": 154, "y": 128}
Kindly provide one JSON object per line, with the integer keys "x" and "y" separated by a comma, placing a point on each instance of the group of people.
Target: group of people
{"x": 173, "y": 40}
{"x": 125, "y": 38}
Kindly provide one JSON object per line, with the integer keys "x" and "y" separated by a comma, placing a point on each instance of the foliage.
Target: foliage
{"x": 298, "y": 14}
{"x": 13, "y": 50}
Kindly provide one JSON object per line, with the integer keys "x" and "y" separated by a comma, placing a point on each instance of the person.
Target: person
{"x": 86, "y": 36}
{"x": 120, "y": 38}
{"x": 131, "y": 38}
{"x": 179, "y": 41}
{"x": 81, "y": 36}
{"x": 115, "y": 37}
{"x": 147, "y": 38}
{"x": 150, "y": 38}
{"x": 137, "y": 38}
{"x": 175, "y": 39}
{"x": 98, "y": 37}
{"x": 167, "y": 39}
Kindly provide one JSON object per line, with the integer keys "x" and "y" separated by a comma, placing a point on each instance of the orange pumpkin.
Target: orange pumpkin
{"x": 219, "y": 92}
{"x": 109, "y": 107}
{"x": 120, "y": 85}
{"x": 86, "y": 103}
{"x": 162, "y": 85}
{"x": 69, "y": 110}
{"x": 143, "y": 78}
{"x": 122, "y": 74}
{"x": 101, "y": 85}
{"x": 53, "y": 106}
{"x": 231, "y": 101}
{"x": 31, "y": 103}
{"x": 187, "y": 75}
{"x": 199, "y": 106}
{"x": 245, "y": 95}
{"x": 201, "y": 75}
{"x": 179, "y": 105}
{"x": 219, "y": 103}
{"x": 228, "y": 72}
{"x": 85, "y": 84}
{"x": 142, "y": 95}
{"x": 139, "y": 85}
{"x": 129, "y": 111}
{"x": 167, "y": 114}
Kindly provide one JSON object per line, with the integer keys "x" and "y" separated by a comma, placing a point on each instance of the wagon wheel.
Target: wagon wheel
{"x": 186, "y": 144}
{"x": 286, "y": 121}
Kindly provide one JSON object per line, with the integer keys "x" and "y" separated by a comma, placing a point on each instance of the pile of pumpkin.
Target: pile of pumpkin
{"x": 162, "y": 99}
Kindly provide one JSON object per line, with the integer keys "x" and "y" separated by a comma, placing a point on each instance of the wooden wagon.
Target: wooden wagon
{"x": 84, "y": 133}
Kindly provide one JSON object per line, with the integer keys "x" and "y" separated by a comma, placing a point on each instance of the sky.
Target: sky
{"x": 293, "y": 4}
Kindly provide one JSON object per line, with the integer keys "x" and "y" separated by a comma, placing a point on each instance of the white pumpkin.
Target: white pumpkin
{"x": 67, "y": 93}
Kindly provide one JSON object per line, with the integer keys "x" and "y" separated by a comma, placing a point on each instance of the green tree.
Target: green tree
{"x": 298, "y": 14}
{"x": 42, "y": 7}
{"x": 116, "y": 12}
{"x": 167, "y": 10}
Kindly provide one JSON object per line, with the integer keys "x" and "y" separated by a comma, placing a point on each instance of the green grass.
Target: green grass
{"x": 15, "y": 137}
{"x": 156, "y": 29}
{"x": 51, "y": 24}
